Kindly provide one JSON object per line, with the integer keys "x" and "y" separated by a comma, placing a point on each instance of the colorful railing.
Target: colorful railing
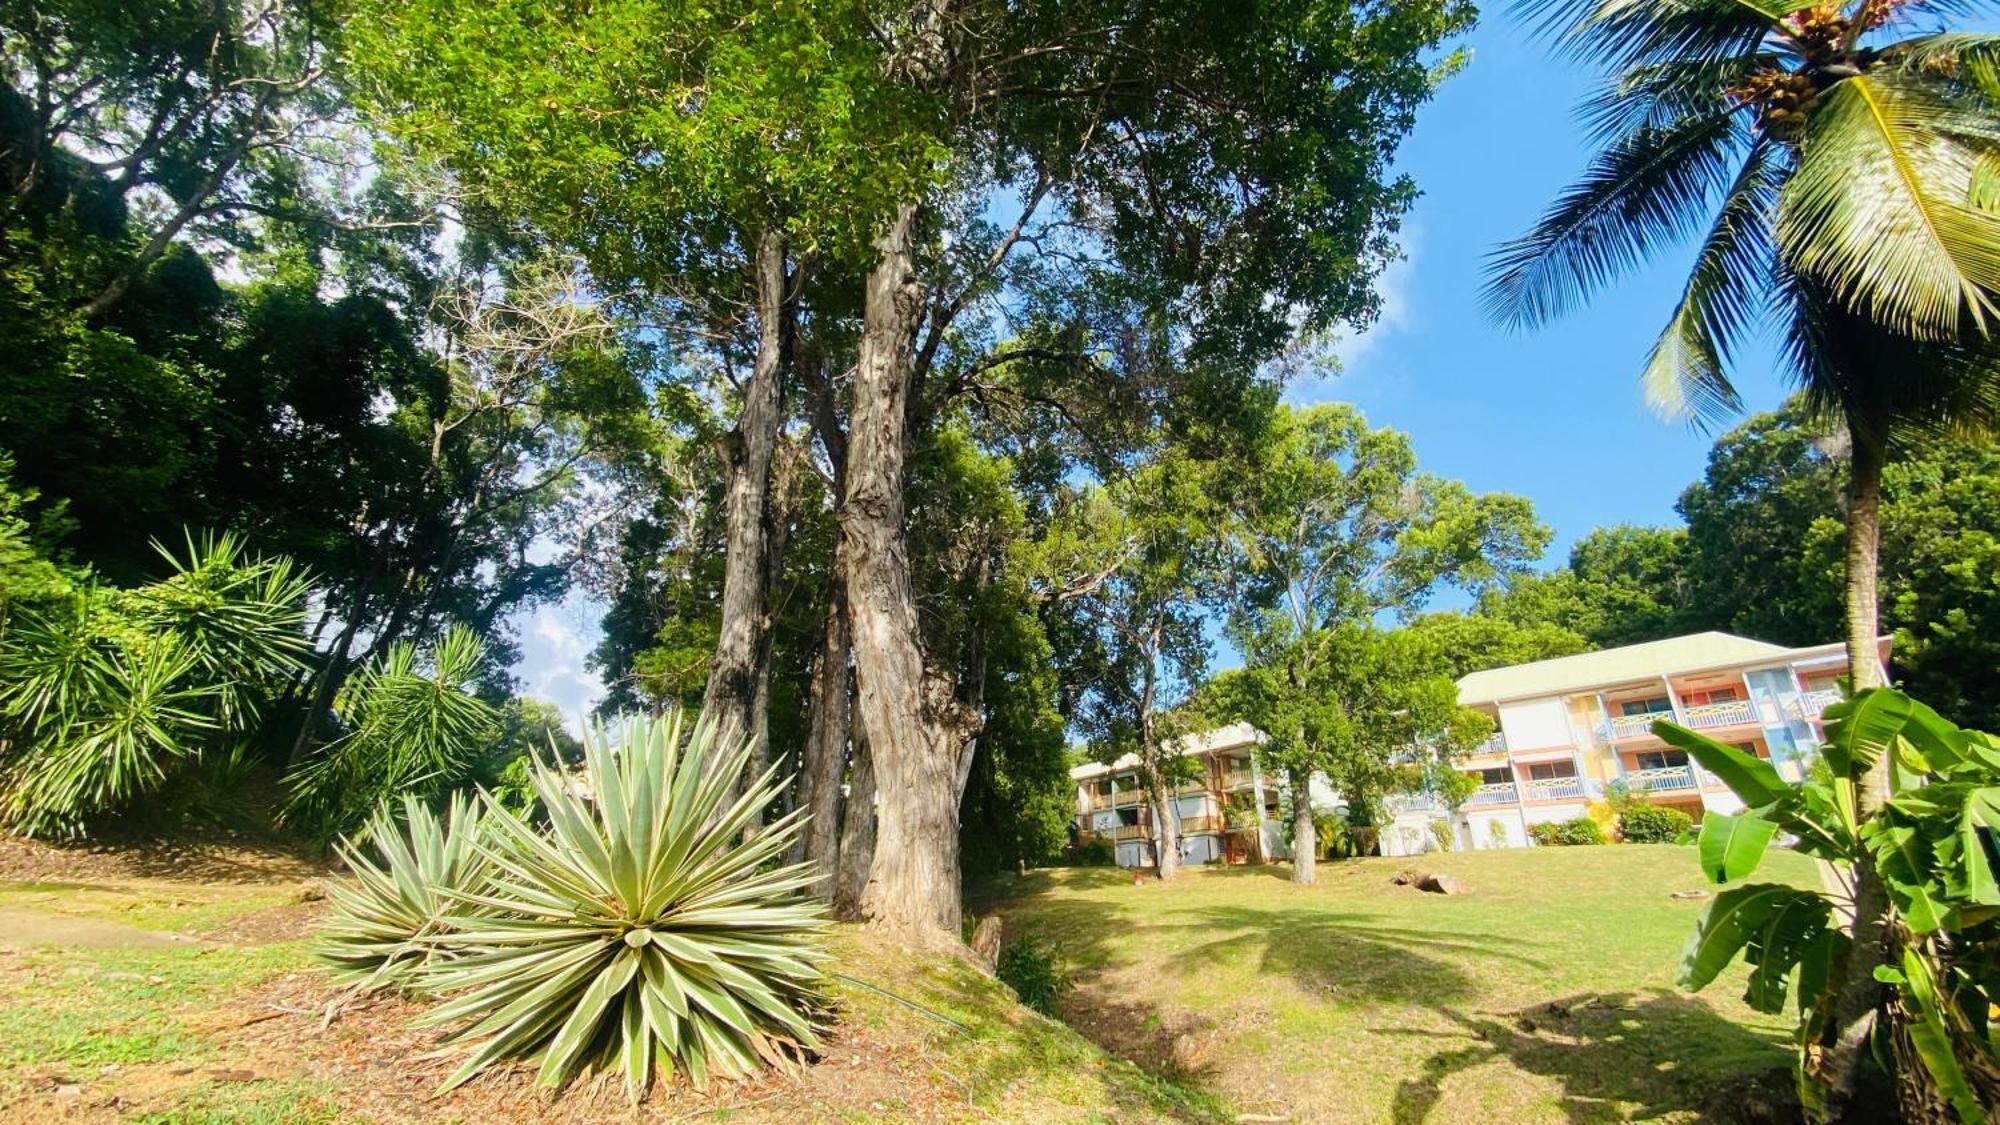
{"x": 1629, "y": 726}
{"x": 1733, "y": 713}
{"x": 1809, "y": 704}
{"x": 1663, "y": 779}
{"x": 1552, "y": 788}
{"x": 1496, "y": 793}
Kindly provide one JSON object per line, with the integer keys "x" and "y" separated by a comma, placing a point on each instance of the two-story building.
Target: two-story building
{"x": 1567, "y": 728}
{"x": 1111, "y": 802}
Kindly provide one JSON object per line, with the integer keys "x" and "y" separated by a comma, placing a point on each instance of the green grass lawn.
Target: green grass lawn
{"x": 1544, "y": 994}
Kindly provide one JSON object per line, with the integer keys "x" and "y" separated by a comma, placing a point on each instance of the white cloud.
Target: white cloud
{"x": 555, "y": 639}
{"x": 1352, "y": 350}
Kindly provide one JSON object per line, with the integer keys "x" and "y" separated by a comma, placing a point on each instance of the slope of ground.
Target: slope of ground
{"x": 138, "y": 988}
{"x": 1545, "y": 993}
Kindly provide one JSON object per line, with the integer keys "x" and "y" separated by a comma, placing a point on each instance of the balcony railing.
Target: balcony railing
{"x": 1552, "y": 788}
{"x": 1196, "y": 825}
{"x": 1629, "y": 726}
{"x": 1708, "y": 716}
{"x": 1095, "y": 801}
{"x": 1125, "y": 797}
{"x": 1238, "y": 779}
{"x": 1809, "y": 704}
{"x": 1497, "y": 744}
{"x": 1401, "y": 803}
{"x": 1131, "y": 832}
{"x": 1664, "y": 779}
{"x": 1495, "y": 793}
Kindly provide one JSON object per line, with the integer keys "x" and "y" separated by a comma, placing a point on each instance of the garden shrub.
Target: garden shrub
{"x": 1033, "y": 969}
{"x": 1096, "y": 851}
{"x": 1568, "y": 833}
{"x": 1653, "y": 824}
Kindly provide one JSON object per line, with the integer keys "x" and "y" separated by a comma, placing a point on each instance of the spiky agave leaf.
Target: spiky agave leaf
{"x": 387, "y": 916}
{"x": 642, "y": 929}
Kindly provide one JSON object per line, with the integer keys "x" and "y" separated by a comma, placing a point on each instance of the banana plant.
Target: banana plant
{"x": 1936, "y": 846}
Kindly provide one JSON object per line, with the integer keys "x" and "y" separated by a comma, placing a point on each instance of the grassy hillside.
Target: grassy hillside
{"x": 130, "y": 992}
{"x": 1544, "y": 994}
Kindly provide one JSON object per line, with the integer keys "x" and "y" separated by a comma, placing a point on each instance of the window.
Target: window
{"x": 1494, "y": 776}
{"x": 1751, "y": 749}
{"x": 1549, "y": 771}
{"x": 1712, "y": 695}
{"x": 1661, "y": 759}
{"x": 1660, "y": 705}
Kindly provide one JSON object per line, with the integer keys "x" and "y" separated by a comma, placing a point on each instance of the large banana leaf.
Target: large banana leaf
{"x": 1733, "y": 846}
{"x": 1752, "y": 778}
{"x": 1777, "y": 929}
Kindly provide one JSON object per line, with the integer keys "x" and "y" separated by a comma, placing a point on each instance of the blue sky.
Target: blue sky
{"x": 1555, "y": 415}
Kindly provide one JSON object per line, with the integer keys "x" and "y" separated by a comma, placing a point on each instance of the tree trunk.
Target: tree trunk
{"x": 729, "y": 699}
{"x": 1166, "y": 833}
{"x": 331, "y": 672}
{"x": 1305, "y": 833}
{"x": 857, "y": 836}
{"x": 1860, "y": 995}
{"x": 826, "y": 739}
{"x": 913, "y": 883}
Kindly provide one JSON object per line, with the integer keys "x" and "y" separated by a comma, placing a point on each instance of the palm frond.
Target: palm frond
{"x": 1878, "y": 210}
{"x": 1648, "y": 190}
{"x": 1686, "y": 375}
{"x": 1655, "y": 95}
{"x": 1618, "y": 34}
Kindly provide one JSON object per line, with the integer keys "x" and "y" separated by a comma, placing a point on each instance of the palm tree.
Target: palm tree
{"x": 1842, "y": 181}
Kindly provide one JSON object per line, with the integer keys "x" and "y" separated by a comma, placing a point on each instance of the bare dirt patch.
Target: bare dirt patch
{"x": 224, "y": 861}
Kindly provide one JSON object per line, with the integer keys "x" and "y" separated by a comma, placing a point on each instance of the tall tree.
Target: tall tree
{"x": 1842, "y": 179}
{"x": 1140, "y": 564}
{"x": 1338, "y": 528}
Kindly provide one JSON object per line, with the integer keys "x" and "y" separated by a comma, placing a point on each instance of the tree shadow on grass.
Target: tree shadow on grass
{"x": 1613, "y": 1051}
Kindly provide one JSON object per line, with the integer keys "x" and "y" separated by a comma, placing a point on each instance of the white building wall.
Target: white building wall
{"x": 1535, "y": 723}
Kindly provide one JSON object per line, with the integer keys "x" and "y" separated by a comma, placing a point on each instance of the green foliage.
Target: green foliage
{"x": 411, "y": 728}
{"x": 27, "y": 575}
{"x": 1642, "y": 822}
{"x": 387, "y": 918}
{"x": 1034, "y": 970}
{"x": 642, "y": 929}
{"x": 1097, "y": 851}
{"x": 1568, "y": 833}
{"x": 110, "y": 698}
{"x": 1933, "y": 844}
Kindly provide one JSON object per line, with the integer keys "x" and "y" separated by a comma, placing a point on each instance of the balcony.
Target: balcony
{"x": 1622, "y": 727}
{"x": 1095, "y": 801}
{"x": 1665, "y": 779}
{"x": 1496, "y": 793}
{"x": 1708, "y": 716}
{"x": 1238, "y": 779}
{"x": 1497, "y": 744}
{"x": 1552, "y": 789}
{"x": 1197, "y": 825}
{"x": 1400, "y": 803}
{"x": 1131, "y": 832}
{"x": 1809, "y": 704}
{"x": 1125, "y": 798}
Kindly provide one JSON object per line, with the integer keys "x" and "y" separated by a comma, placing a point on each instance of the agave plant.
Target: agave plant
{"x": 385, "y": 921}
{"x": 649, "y": 927}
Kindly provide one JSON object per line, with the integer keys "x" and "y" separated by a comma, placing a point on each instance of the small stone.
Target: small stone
{"x": 1189, "y": 1051}
{"x": 1696, "y": 896}
{"x": 108, "y": 1069}
{"x": 68, "y": 1090}
{"x": 1407, "y": 878}
{"x": 156, "y": 980}
{"x": 309, "y": 892}
{"x": 233, "y": 1075}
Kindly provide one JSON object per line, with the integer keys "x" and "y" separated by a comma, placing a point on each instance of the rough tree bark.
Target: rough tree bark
{"x": 1860, "y": 995}
{"x": 826, "y": 739}
{"x": 857, "y": 836}
{"x": 913, "y": 883}
{"x": 1305, "y": 834}
{"x": 729, "y": 699}
{"x": 1166, "y": 829}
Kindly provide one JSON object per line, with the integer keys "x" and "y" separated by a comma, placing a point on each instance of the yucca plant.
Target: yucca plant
{"x": 413, "y": 727}
{"x": 109, "y": 697}
{"x": 388, "y": 916}
{"x": 650, "y": 927}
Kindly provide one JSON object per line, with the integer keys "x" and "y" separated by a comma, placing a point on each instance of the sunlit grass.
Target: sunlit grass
{"x": 1546, "y": 993}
